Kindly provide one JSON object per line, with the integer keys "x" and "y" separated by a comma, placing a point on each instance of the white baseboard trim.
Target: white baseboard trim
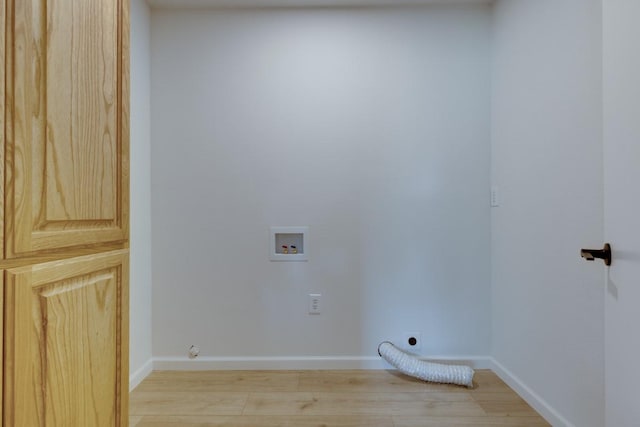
{"x": 140, "y": 374}
{"x": 297, "y": 363}
{"x": 265, "y": 363}
{"x": 547, "y": 411}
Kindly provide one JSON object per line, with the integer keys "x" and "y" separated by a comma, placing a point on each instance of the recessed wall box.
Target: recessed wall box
{"x": 289, "y": 244}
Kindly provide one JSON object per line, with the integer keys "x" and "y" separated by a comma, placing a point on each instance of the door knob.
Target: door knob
{"x": 604, "y": 254}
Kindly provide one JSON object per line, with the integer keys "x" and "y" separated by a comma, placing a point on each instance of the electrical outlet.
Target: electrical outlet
{"x": 315, "y": 303}
{"x": 412, "y": 341}
{"x": 495, "y": 196}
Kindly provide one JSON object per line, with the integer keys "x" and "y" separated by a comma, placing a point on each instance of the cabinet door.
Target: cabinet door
{"x": 66, "y": 135}
{"x": 66, "y": 343}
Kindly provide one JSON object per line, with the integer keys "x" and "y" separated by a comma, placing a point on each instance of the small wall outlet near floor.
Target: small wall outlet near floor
{"x": 411, "y": 341}
{"x": 194, "y": 351}
{"x": 315, "y": 305}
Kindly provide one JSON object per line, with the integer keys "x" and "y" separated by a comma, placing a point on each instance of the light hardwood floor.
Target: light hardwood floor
{"x": 323, "y": 399}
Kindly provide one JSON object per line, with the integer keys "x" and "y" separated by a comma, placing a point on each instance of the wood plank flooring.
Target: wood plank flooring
{"x": 323, "y": 399}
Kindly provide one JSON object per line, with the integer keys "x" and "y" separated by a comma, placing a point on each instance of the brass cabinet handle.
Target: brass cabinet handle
{"x": 604, "y": 254}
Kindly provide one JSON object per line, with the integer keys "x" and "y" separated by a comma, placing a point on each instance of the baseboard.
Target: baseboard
{"x": 552, "y": 416}
{"x": 140, "y": 374}
{"x": 298, "y": 363}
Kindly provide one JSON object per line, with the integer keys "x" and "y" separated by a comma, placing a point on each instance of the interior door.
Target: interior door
{"x": 621, "y": 97}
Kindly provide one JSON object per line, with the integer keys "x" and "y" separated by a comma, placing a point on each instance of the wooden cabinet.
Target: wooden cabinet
{"x": 66, "y": 166}
{"x": 64, "y": 212}
{"x": 66, "y": 341}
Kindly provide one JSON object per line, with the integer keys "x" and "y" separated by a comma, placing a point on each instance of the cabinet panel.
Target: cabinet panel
{"x": 66, "y": 342}
{"x": 3, "y": 99}
{"x": 67, "y": 125}
{"x": 2, "y": 345}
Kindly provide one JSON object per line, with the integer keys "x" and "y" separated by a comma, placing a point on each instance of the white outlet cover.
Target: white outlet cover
{"x": 495, "y": 196}
{"x": 315, "y": 303}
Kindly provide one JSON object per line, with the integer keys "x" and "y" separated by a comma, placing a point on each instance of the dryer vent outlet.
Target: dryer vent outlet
{"x": 412, "y": 341}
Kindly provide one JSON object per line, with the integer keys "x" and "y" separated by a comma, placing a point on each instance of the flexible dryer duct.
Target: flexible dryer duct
{"x": 426, "y": 371}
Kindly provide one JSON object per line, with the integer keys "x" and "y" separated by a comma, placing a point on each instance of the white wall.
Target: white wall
{"x": 370, "y": 126}
{"x": 140, "y": 187}
{"x": 547, "y": 160}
